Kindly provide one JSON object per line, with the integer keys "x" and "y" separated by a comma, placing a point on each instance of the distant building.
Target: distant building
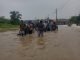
{"x": 63, "y": 21}
{"x": 59, "y": 22}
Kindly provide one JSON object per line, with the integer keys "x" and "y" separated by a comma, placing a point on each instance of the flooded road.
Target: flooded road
{"x": 61, "y": 45}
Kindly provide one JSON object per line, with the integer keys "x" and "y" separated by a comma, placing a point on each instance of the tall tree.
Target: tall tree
{"x": 15, "y": 17}
{"x": 4, "y": 20}
{"x": 75, "y": 19}
{"x": 78, "y": 19}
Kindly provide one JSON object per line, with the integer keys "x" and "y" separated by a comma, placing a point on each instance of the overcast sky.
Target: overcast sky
{"x": 31, "y": 9}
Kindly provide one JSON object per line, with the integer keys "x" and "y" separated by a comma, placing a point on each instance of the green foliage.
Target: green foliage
{"x": 75, "y": 19}
{"x": 10, "y": 24}
{"x": 7, "y": 27}
{"x": 15, "y": 17}
{"x": 4, "y": 20}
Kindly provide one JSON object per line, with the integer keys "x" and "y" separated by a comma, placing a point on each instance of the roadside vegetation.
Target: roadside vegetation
{"x": 12, "y": 23}
{"x": 75, "y": 20}
{"x": 15, "y": 17}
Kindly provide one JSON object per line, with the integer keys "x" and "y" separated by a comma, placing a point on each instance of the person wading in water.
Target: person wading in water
{"x": 40, "y": 29}
{"x": 22, "y": 28}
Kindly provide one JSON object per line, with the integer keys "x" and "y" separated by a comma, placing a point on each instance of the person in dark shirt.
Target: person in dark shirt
{"x": 40, "y": 29}
{"x": 30, "y": 28}
{"x": 55, "y": 27}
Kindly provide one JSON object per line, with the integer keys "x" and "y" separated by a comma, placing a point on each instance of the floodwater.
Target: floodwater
{"x": 60, "y": 45}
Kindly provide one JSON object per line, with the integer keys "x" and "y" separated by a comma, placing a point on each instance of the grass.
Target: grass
{"x": 6, "y": 27}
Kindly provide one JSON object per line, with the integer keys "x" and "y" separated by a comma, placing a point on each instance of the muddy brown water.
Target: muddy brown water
{"x": 61, "y": 45}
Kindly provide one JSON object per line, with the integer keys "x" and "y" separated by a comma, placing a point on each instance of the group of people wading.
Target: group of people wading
{"x": 39, "y": 26}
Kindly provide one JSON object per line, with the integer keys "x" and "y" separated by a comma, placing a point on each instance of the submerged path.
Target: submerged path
{"x": 61, "y": 45}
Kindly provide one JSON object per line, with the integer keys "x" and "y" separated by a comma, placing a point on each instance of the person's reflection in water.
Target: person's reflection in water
{"x": 41, "y": 43}
{"x": 25, "y": 45}
{"x": 26, "y": 41}
{"x": 56, "y": 31}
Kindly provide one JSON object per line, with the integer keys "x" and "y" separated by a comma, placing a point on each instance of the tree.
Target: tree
{"x": 4, "y": 20}
{"x": 15, "y": 17}
{"x": 78, "y": 20}
{"x": 75, "y": 19}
